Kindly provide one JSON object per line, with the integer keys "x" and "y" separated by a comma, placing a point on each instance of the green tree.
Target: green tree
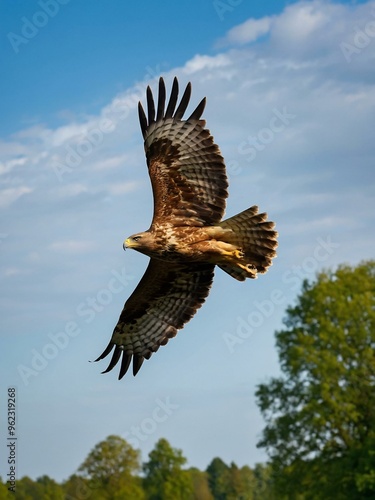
{"x": 77, "y": 488}
{"x": 201, "y": 490}
{"x": 164, "y": 477}
{"x": 248, "y": 484}
{"x": 230, "y": 482}
{"x": 4, "y": 493}
{"x": 320, "y": 415}
{"x": 218, "y": 478}
{"x": 240, "y": 483}
{"x": 50, "y": 489}
{"x": 262, "y": 482}
{"x": 27, "y": 489}
{"x": 110, "y": 470}
{"x": 44, "y": 488}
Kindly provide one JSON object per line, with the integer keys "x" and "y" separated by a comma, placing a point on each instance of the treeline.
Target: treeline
{"x": 113, "y": 471}
{"x": 319, "y": 414}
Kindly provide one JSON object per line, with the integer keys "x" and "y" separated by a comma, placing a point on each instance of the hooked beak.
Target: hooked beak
{"x": 126, "y": 244}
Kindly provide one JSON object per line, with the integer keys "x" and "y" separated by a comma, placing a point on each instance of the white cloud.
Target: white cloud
{"x": 72, "y": 246}
{"x": 13, "y": 271}
{"x": 249, "y": 31}
{"x": 300, "y": 21}
{"x": 10, "y": 195}
{"x": 11, "y": 148}
{"x": 122, "y": 187}
{"x": 70, "y": 190}
{"x": 199, "y": 63}
{"x": 7, "y": 166}
{"x": 68, "y": 132}
{"x": 111, "y": 162}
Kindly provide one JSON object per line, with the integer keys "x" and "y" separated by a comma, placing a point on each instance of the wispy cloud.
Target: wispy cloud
{"x": 122, "y": 188}
{"x": 72, "y": 246}
{"x": 203, "y": 62}
{"x": 8, "y": 166}
{"x": 247, "y": 32}
{"x": 11, "y": 195}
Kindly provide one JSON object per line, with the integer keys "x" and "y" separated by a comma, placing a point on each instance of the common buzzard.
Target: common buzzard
{"x": 187, "y": 237}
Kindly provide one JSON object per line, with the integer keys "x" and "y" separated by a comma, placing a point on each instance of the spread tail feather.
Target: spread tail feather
{"x": 256, "y": 240}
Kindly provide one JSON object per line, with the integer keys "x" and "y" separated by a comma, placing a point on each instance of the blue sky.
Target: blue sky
{"x": 73, "y": 187}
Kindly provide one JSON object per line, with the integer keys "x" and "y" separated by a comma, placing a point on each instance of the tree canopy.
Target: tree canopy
{"x": 164, "y": 477}
{"x": 230, "y": 482}
{"x": 111, "y": 468}
{"x": 320, "y": 414}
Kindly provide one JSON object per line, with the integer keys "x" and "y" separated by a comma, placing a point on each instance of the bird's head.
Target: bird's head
{"x": 138, "y": 241}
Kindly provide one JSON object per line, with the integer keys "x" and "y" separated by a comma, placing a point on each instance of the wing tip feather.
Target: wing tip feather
{"x": 173, "y": 99}
{"x": 160, "y": 113}
{"x": 106, "y": 351}
{"x": 161, "y": 99}
{"x": 142, "y": 119}
{"x": 125, "y": 361}
{"x": 137, "y": 363}
{"x": 179, "y": 113}
{"x": 197, "y": 113}
{"x": 150, "y": 105}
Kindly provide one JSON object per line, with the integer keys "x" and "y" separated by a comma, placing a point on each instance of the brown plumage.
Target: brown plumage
{"x": 187, "y": 237}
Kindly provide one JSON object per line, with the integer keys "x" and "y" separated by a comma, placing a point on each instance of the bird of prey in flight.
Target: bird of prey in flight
{"x": 187, "y": 237}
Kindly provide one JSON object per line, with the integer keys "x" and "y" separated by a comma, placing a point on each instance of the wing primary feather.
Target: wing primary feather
{"x": 106, "y": 351}
{"x": 137, "y": 363}
{"x": 172, "y": 99}
{"x": 150, "y": 106}
{"x": 161, "y": 100}
{"x": 142, "y": 119}
{"x": 125, "y": 362}
{"x": 197, "y": 113}
{"x": 184, "y": 103}
{"x": 114, "y": 360}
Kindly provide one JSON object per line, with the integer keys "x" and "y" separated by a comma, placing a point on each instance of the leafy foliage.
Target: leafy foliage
{"x": 4, "y": 493}
{"x": 110, "y": 469}
{"x": 164, "y": 477}
{"x": 110, "y": 472}
{"x": 201, "y": 490}
{"x": 233, "y": 483}
{"x": 320, "y": 414}
{"x": 218, "y": 478}
{"x": 44, "y": 488}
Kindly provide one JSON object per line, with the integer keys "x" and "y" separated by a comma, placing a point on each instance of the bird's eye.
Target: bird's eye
{"x": 136, "y": 238}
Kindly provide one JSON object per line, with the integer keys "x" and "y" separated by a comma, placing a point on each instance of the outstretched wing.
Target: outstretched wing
{"x": 186, "y": 168}
{"x": 165, "y": 299}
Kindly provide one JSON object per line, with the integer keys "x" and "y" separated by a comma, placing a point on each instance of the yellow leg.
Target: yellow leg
{"x": 238, "y": 254}
{"x": 229, "y": 250}
{"x": 250, "y": 269}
